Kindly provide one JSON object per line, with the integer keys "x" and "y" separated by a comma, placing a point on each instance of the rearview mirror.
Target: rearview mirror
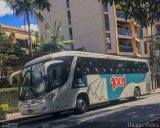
{"x": 13, "y": 75}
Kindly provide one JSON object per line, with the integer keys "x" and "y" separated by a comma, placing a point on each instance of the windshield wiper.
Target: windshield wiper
{"x": 34, "y": 92}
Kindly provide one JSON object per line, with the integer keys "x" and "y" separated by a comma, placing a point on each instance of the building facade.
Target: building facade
{"x": 156, "y": 30}
{"x": 99, "y": 28}
{"x": 19, "y": 36}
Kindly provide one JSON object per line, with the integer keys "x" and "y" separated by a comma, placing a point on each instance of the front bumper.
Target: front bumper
{"x": 28, "y": 109}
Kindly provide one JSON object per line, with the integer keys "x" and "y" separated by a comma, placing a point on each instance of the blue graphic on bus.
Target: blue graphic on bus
{"x": 117, "y": 82}
{"x": 130, "y": 78}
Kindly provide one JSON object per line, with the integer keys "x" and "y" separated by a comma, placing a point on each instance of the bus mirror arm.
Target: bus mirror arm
{"x": 13, "y": 75}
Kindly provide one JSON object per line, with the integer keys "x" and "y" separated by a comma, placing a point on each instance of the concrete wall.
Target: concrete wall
{"x": 86, "y": 18}
{"x": 88, "y": 25}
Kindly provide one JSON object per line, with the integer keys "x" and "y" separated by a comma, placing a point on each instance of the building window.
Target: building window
{"x": 145, "y": 47}
{"x": 108, "y": 37}
{"x": 69, "y": 17}
{"x": 105, "y": 6}
{"x": 70, "y": 33}
{"x": 67, "y": 4}
{"x": 125, "y": 46}
{"x": 22, "y": 43}
{"x": 106, "y": 22}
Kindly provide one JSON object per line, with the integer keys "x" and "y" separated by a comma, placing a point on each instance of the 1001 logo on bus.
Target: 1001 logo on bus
{"x": 118, "y": 82}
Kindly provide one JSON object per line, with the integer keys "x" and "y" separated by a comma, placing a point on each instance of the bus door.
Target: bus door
{"x": 56, "y": 82}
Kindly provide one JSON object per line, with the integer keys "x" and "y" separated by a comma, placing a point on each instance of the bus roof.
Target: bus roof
{"x": 82, "y": 54}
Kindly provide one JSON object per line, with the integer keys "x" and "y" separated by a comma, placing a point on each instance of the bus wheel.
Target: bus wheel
{"x": 137, "y": 94}
{"x": 56, "y": 114}
{"x": 81, "y": 105}
{"x": 114, "y": 101}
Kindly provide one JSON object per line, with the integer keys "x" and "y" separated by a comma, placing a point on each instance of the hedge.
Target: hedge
{"x": 9, "y": 96}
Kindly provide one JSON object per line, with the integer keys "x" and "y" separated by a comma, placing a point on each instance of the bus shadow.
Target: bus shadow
{"x": 113, "y": 103}
{"x": 51, "y": 117}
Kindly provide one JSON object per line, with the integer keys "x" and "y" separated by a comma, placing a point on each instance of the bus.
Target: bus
{"x": 76, "y": 80}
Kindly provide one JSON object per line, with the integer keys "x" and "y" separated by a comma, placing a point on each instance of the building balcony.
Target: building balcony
{"x": 126, "y": 53}
{"x": 122, "y": 17}
{"x": 157, "y": 22}
{"x": 157, "y": 32}
{"x": 138, "y": 37}
{"x": 122, "y": 31}
{"x": 125, "y": 48}
{"x": 137, "y": 52}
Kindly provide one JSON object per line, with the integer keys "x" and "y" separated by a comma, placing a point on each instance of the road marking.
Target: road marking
{"x": 151, "y": 121}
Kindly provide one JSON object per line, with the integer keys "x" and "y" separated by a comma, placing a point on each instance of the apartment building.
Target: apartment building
{"x": 156, "y": 30}
{"x": 98, "y": 28}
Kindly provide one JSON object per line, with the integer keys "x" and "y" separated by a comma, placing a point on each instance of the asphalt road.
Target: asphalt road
{"x": 142, "y": 113}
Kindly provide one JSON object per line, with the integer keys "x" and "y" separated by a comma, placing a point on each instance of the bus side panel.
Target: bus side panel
{"x": 133, "y": 80}
{"x": 122, "y": 86}
{"x": 97, "y": 89}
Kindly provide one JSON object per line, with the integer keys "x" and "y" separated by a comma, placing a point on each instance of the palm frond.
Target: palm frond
{"x": 48, "y": 30}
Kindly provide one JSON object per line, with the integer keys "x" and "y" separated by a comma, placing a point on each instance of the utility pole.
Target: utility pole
{"x": 152, "y": 59}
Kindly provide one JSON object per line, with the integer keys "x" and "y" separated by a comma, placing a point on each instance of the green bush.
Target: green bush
{"x": 9, "y": 96}
{"x": 4, "y": 108}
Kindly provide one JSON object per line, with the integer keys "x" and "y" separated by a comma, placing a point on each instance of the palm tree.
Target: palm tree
{"x": 58, "y": 43}
{"x": 28, "y": 8}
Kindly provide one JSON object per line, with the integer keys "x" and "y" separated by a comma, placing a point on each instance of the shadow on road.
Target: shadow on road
{"x": 42, "y": 119}
{"x": 136, "y": 116}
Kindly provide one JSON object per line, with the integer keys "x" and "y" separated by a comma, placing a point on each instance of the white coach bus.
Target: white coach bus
{"x": 76, "y": 80}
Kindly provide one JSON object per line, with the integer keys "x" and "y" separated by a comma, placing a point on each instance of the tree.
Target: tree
{"x": 156, "y": 45}
{"x": 7, "y": 49}
{"x": 58, "y": 42}
{"x": 28, "y": 8}
{"x": 145, "y": 12}
{"x": 40, "y": 41}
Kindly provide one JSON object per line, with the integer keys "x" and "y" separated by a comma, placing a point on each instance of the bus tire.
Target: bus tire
{"x": 81, "y": 105}
{"x": 137, "y": 94}
{"x": 56, "y": 114}
{"x": 115, "y": 101}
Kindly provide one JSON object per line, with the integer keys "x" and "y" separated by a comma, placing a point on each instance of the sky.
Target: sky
{"x": 7, "y": 17}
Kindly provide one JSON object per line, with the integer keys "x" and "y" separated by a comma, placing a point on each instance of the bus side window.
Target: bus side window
{"x": 80, "y": 70}
{"x": 67, "y": 61}
{"x": 126, "y": 69}
{"x": 109, "y": 66}
{"x": 120, "y": 67}
{"x": 146, "y": 68}
{"x": 92, "y": 66}
{"x": 56, "y": 76}
{"x": 101, "y": 67}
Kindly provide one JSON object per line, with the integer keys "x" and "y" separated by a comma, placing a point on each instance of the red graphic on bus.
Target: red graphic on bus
{"x": 118, "y": 82}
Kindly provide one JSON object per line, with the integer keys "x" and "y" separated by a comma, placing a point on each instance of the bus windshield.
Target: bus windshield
{"x": 33, "y": 82}
{"x": 39, "y": 79}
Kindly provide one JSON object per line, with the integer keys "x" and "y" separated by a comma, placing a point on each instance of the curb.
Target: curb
{"x": 19, "y": 120}
{"x": 155, "y": 92}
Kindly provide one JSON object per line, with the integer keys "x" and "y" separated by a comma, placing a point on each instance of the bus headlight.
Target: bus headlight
{"x": 48, "y": 96}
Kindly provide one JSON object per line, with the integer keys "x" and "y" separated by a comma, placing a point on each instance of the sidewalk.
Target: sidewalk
{"x": 17, "y": 116}
{"x": 156, "y": 91}
{"x": 14, "y": 116}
